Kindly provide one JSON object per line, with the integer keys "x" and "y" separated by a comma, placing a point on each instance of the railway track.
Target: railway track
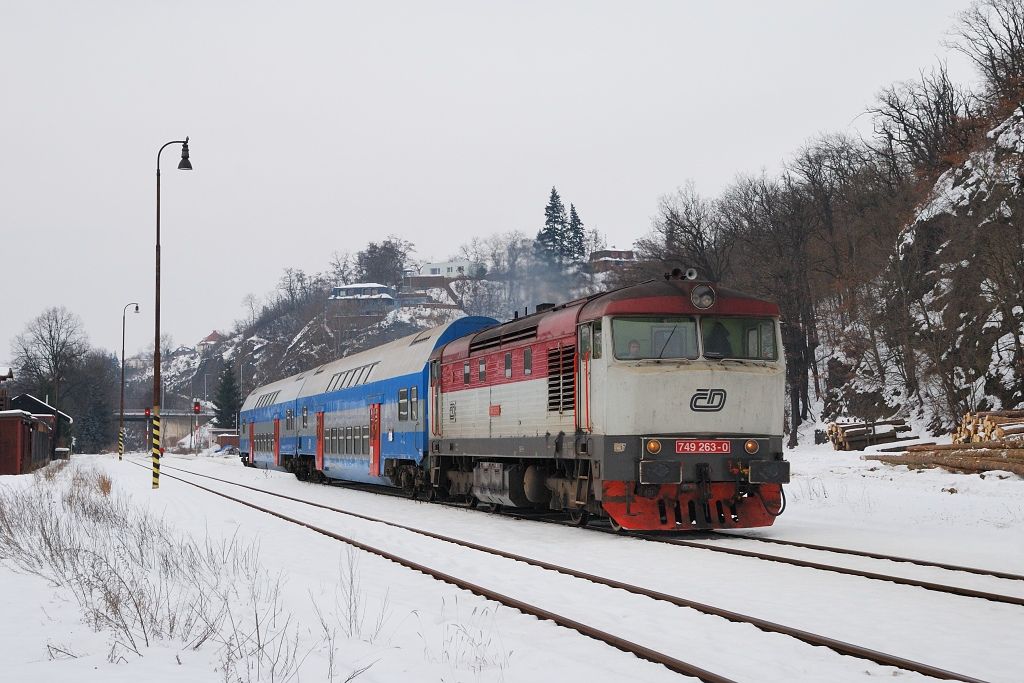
{"x": 714, "y": 545}
{"x": 875, "y": 556}
{"x": 641, "y": 651}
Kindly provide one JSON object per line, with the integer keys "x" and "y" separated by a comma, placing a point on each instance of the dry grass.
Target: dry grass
{"x": 104, "y": 484}
{"x": 137, "y": 580}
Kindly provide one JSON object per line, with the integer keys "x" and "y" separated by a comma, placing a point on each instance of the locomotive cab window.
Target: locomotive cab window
{"x": 654, "y": 337}
{"x": 741, "y": 338}
{"x": 465, "y": 372}
{"x": 590, "y": 340}
{"x": 508, "y": 365}
{"x": 483, "y": 369}
{"x": 527, "y": 361}
{"x": 585, "y": 345}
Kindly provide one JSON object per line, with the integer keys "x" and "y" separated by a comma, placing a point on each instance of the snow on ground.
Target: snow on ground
{"x": 405, "y": 626}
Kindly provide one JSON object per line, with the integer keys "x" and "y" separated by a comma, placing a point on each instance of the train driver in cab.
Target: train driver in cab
{"x": 632, "y": 350}
{"x": 716, "y": 342}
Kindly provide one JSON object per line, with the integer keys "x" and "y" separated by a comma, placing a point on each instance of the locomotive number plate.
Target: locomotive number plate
{"x": 698, "y": 446}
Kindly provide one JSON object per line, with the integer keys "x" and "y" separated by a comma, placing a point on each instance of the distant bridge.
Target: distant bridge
{"x": 175, "y": 425}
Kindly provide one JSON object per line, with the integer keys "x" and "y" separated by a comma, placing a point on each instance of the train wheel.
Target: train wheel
{"x": 579, "y": 516}
{"x": 616, "y": 527}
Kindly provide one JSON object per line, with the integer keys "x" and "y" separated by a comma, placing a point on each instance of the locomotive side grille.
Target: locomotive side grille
{"x": 561, "y": 379}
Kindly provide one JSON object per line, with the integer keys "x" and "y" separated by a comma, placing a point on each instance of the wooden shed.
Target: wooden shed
{"x": 24, "y": 442}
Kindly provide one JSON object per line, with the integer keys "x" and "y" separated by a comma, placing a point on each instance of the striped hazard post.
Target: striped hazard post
{"x": 156, "y": 447}
{"x": 120, "y": 444}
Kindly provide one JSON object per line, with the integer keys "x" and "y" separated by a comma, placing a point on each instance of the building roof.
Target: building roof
{"x": 37, "y": 407}
{"x": 213, "y": 338}
{"x": 6, "y": 373}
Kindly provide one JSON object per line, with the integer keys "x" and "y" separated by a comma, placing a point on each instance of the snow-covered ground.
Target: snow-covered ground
{"x": 350, "y": 610}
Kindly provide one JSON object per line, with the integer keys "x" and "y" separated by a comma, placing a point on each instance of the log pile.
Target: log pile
{"x": 856, "y": 436}
{"x": 992, "y": 440}
{"x": 991, "y": 425}
{"x": 971, "y": 458}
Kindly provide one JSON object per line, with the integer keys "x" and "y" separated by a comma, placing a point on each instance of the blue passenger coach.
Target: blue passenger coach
{"x": 361, "y": 418}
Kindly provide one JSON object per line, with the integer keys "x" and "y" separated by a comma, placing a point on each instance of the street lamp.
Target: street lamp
{"x": 183, "y": 165}
{"x": 120, "y": 431}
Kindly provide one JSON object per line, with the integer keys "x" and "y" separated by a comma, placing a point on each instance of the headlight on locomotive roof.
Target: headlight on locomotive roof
{"x": 702, "y": 296}
{"x": 653, "y": 446}
{"x": 751, "y": 446}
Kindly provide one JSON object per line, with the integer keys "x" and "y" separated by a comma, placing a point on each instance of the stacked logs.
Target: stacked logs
{"x": 982, "y": 456}
{"x": 856, "y": 436}
{"x": 989, "y": 440}
{"x": 990, "y": 425}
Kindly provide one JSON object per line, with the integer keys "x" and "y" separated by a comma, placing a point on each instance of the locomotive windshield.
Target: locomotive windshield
{"x": 666, "y": 337}
{"x": 655, "y": 337}
{"x": 743, "y": 338}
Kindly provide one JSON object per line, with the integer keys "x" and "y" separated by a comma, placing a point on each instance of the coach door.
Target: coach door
{"x": 252, "y": 442}
{"x": 320, "y": 441}
{"x": 375, "y": 439}
{"x": 436, "y": 399}
{"x": 277, "y": 441}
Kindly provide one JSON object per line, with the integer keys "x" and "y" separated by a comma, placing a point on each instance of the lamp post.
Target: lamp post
{"x": 120, "y": 431}
{"x": 183, "y": 165}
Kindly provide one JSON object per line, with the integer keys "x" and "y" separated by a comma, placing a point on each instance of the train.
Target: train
{"x": 657, "y": 406}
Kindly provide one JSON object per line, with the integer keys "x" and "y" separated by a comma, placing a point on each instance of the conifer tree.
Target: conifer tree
{"x": 229, "y": 399}
{"x": 575, "y": 237}
{"x": 551, "y": 238}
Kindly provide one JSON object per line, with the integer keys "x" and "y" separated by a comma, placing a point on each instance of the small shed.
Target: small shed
{"x": 24, "y": 442}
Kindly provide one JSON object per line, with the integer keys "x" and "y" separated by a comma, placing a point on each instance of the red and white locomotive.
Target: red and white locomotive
{"x": 658, "y": 406}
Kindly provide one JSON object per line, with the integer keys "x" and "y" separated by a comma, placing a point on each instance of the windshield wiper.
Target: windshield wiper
{"x": 667, "y": 340}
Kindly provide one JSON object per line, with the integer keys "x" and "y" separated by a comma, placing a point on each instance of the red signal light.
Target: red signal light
{"x": 196, "y": 408}
{"x": 147, "y": 412}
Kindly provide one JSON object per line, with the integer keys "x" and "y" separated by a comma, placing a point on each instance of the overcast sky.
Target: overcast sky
{"x": 317, "y": 126}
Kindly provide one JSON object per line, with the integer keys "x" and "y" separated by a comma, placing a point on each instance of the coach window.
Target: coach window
{"x": 465, "y": 373}
{"x": 527, "y": 361}
{"x": 305, "y": 416}
{"x": 483, "y": 369}
{"x": 403, "y": 404}
{"x": 414, "y": 403}
{"x": 508, "y": 365}
{"x": 289, "y": 420}
{"x": 366, "y": 440}
{"x": 348, "y": 439}
{"x": 335, "y": 441}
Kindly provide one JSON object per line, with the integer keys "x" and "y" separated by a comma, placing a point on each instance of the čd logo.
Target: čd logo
{"x": 707, "y": 400}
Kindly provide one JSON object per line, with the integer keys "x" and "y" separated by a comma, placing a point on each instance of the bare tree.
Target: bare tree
{"x": 341, "y": 269}
{"x": 927, "y": 123}
{"x": 991, "y": 34}
{"x": 688, "y": 231}
{"x": 47, "y": 352}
